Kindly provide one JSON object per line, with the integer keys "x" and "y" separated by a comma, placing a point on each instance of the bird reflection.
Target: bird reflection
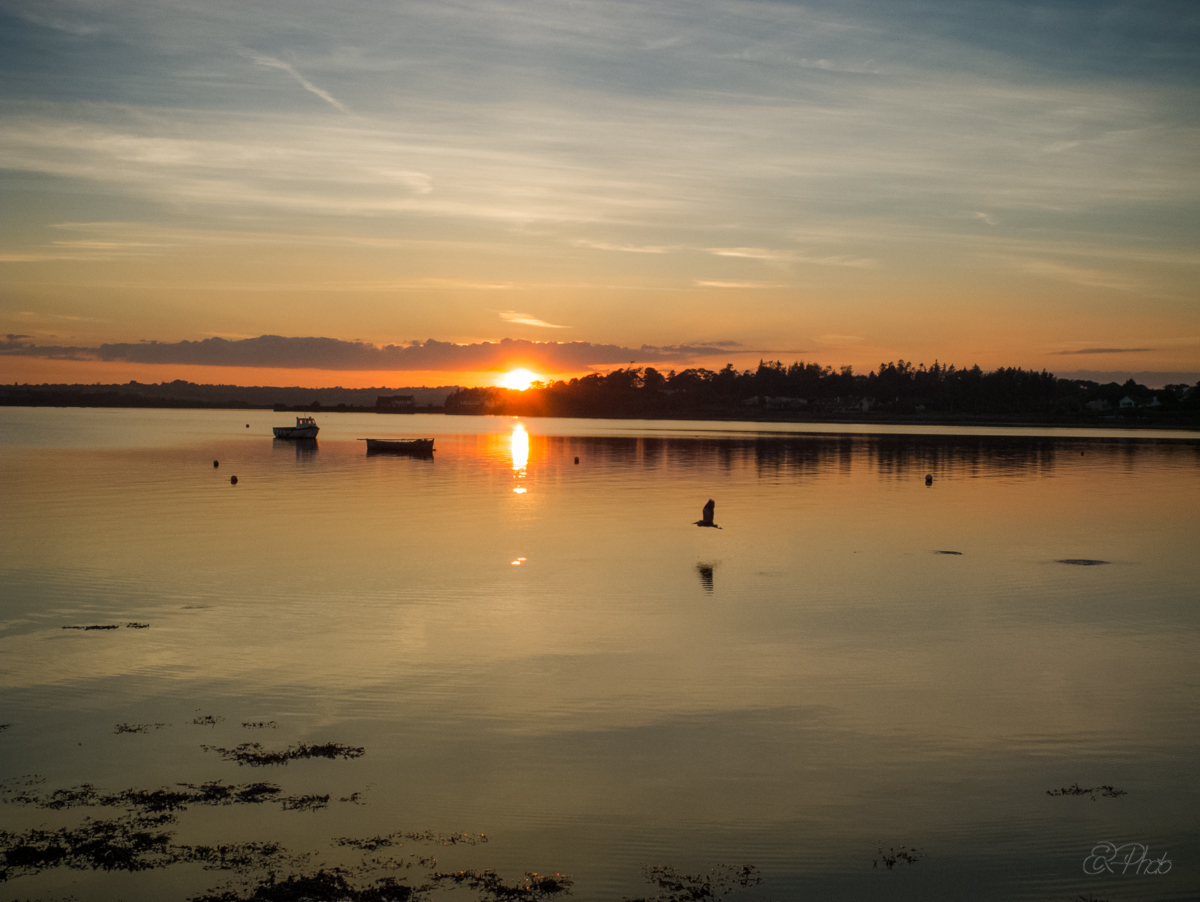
{"x": 520, "y": 455}
{"x": 706, "y": 576}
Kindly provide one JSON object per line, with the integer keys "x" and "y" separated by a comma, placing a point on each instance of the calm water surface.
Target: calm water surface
{"x": 553, "y": 655}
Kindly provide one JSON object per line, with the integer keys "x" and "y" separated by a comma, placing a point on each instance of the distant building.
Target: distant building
{"x": 785, "y": 403}
{"x": 1128, "y": 402}
{"x": 395, "y": 403}
{"x": 1098, "y": 406}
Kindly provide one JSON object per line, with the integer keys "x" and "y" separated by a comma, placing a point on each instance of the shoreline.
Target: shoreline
{"x": 981, "y": 421}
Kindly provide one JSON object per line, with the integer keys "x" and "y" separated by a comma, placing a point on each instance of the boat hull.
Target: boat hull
{"x": 296, "y": 431}
{"x": 415, "y": 446}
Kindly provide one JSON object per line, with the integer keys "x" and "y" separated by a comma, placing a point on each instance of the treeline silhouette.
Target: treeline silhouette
{"x": 776, "y": 390}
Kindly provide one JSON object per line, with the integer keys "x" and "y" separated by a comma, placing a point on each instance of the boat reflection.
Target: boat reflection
{"x": 306, "y": 448}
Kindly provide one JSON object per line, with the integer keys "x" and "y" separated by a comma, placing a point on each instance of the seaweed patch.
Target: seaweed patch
{"x": 125, "y": 844}
{"x": 137, "y": 727}
{"x": 680, "y": 887}
{"x": 259, "y": 724}
{"x": 143, "y": 839}
{"x": 239, "y": 857}
{"x": 305, "y": 803}
{"x": 95, "y": 626}
{"x": 130, "y": 843}
{"x": 1080, "y": 562}
{"x": 326, "y": 885}
{"x": 1110, "y": 792}
{"x": 154, "y": 801}
{"x": 893, "y": 857}
{"x": 491, "y": 887}
{"x": 207, "y": 720}
{"x": 137, "y": 626}
{"x": 374, "y": 843}
{"x": 254, "y": 755}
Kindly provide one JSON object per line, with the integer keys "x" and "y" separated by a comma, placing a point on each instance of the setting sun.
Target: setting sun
{"x": 518, "y": 380}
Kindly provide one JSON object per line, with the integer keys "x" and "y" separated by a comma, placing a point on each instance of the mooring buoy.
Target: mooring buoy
{"x": 233, "y": 480}
{"x": 216, "y": 464}
{"x": 929, "y": 479}
{"x": 577, "y": 460}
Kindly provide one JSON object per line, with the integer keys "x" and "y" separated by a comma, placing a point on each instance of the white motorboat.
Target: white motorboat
{"x": 306, "y": 427}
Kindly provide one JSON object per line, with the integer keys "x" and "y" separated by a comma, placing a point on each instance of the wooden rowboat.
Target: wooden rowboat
{"x": 410, "y": 446}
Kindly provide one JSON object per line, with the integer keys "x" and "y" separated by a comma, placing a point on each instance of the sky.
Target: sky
{"x": 382, "y": 193}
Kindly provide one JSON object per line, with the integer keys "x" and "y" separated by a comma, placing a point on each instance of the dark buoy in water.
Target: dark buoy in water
{"x": 577, "y": 460}
{"x": 247, "y": 425}
{"x": 929, "y": 479}
{"x": 707, "y": 515}
{"x": 233, "y": 480}
{"x": 216, "y": 464}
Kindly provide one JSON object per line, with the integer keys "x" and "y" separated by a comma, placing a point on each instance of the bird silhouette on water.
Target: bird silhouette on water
{"x": 707, "y": 515}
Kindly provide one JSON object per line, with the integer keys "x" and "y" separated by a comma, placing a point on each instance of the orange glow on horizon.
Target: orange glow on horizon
{"x": 37, "y": 370}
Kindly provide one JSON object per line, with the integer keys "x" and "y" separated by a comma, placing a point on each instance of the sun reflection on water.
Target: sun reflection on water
{"x": 520, "y": 455}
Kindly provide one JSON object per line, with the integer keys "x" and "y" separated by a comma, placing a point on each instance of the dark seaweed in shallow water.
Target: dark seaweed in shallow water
{"x": 130, "y": 843}
{"x": 327, "y": 885}
{"x": 95, "y": 626}
{"x": 1080, "y": 561}
{"x": 259, "y": 724}
{"x": 207, "y": 720}
{"x": 491, "y": 887}
{"x": 137, "y": 727}
{"x": 374, "y": 843}
{"x": 143, "y": 839}
{"x": 1075, "y": 789}
{"x": 148, "y": 800}
{"x": 893, "y": 857}
{"x": 127, "y": 844}
{"x": 137, "y": 626}
{"x": 305, "y": 803}
{"x": 238, "y": 857}
{"x": 253, "y": 754}
{"x": 948, "y": 552}
{"x": 679, "y": 887}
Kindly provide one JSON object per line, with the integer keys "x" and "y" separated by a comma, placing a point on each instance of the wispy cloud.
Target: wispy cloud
{"x": 271, "y": 62}
{"x": 722, "y": 283}
{"x": 1091, "y": 278}
{"x": 524, "y": 319}
{"x": 622, "y": 248}
{"x": 69, "y": 26}
{"x": 752, "y": 253}
{"x": 1106, "y": 351}
{"x": 786, "y": 256}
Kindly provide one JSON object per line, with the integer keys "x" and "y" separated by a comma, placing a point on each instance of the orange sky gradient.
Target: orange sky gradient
{"x": 844, "y": 185}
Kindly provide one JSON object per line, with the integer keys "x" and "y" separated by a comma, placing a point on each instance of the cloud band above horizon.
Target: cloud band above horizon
{"x": 280, "y": 352}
